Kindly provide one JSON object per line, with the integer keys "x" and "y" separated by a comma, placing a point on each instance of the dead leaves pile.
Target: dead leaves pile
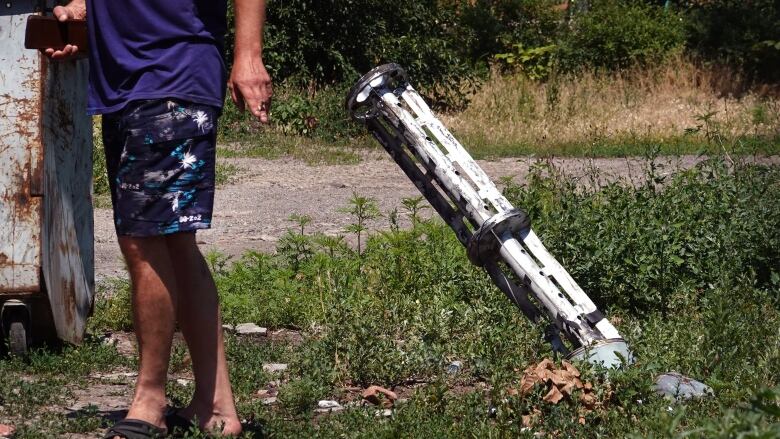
{"x": 560, "y": 384}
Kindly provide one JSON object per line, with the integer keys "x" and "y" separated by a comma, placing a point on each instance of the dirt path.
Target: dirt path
{"x": 252, "y": 212}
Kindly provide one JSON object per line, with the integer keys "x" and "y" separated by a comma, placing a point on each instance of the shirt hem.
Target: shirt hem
{"x": 93, "y": 111}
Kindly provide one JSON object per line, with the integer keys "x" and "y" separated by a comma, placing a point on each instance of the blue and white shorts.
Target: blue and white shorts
{"x": 160, "y": 156}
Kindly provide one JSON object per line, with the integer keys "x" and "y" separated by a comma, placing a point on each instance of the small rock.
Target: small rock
{"x": 121, "y": 341}
{"x": 274, "y": 367}
{"x": 229, "y": 328}
{"x": 184, "y": 382}
{"x": 386, "y": 413}
{"x": 679, "y": 387}
{"x": 7, "y": 431}
{"x": 328, "y": 406}
{"x": 269, "y": 401}
{"x": 250, "y": 329}
{"x": 454, "y": 367}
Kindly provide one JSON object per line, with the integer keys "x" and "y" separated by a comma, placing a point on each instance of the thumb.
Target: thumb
{"x": 62, "y": 13}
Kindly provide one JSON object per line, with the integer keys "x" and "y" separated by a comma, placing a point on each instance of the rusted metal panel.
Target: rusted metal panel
{"x": 20, "y": 154}
{"x": 46, "y": 227}
{"x": 68, "y": 229}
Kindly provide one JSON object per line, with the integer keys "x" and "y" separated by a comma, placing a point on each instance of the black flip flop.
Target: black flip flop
{"x": 135, "y": 429}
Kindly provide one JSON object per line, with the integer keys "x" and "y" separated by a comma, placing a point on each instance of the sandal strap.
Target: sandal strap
{"x": 135, "y": 429}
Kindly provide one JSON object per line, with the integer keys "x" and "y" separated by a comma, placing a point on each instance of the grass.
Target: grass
{"x": 674, "y": 107}
{"x": 685, "y": 265}
{"x": 278, "y": 145}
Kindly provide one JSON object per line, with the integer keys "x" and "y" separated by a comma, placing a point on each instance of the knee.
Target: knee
{"x": 139, "y": 250}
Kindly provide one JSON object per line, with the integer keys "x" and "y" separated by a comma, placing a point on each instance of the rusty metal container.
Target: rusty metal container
{"x": 46, "y": 222}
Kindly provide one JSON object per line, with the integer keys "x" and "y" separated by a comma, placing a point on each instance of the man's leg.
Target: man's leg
{"x": 199, "y": 319}
{"x": 154, "y": 302}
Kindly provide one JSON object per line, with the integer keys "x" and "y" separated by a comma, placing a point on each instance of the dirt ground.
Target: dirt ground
{"x": 252, "y": 211}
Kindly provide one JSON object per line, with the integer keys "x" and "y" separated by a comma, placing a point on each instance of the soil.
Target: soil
{"x": 252, "y": 212}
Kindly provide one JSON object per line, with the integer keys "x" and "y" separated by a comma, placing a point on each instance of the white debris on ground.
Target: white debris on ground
{"x": 454, "y": 367}
{"x": 274, "y": 367}
{"x": 326, "y": 406}
{"x": 679, "y": 387}
{"x": 250, "y": 329}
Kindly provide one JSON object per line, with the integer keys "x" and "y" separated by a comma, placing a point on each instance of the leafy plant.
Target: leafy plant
{"x": 362, "y": 209}
{"x": 618, "y": 33}
{"x": 535, "y": 62}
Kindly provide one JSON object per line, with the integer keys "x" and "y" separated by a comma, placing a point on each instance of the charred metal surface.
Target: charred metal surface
{"x": 20, "y": 156}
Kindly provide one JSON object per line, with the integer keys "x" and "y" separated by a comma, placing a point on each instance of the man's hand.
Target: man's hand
{"x": 75, "y": 10}
{"x": 250, "y": 84}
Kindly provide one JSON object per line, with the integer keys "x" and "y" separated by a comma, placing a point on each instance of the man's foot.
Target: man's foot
{"x": 209, "y": 419}
{"x": 143, "y": 416}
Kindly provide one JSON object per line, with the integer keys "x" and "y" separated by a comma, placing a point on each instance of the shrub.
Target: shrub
{"x": 619, "y": 33}
{"x": 744, "y": 33}
{"x": 646, "y": 249}
{"x": 490, "y": 27}
{"x": 314, "y": 43}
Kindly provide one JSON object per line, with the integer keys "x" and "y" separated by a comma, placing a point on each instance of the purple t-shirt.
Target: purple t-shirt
{"x": 154, "y": 49}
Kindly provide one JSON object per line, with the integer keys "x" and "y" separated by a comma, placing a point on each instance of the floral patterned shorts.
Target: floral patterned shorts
{"x": 160, "y": 156}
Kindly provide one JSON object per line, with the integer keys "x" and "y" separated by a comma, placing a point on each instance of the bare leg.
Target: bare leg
{"x": 154, "y": 302}
{"x": 199, "y": 319}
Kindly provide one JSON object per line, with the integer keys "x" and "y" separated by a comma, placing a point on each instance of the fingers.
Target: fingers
{"x": 66, "y": 52}
{"x": 260, "y": 105}
{"x": 237, "y": 98}
{"x": 253, "y": 97}
{"x": 62, "y": 13}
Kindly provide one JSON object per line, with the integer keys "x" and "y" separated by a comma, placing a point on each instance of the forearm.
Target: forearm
{"x": 250, "y": 19}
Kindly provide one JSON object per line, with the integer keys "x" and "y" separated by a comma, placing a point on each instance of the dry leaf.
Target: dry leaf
{"x": 372, "y": 393}
{"x": 567, "y": 389}
{"x": 554, "y": 396}
{"x": 7, "y": 430}
{"x": 571, "y": 369}
{"x": 588, "y": 400}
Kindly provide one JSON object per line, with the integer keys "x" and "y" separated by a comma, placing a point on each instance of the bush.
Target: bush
{"x": 648, "y": 249}
{"x": 313, "y": 43}
{"x": 744, "y": 33}
{"x": 619, "y": 33}
{"x": 490, "y": 27}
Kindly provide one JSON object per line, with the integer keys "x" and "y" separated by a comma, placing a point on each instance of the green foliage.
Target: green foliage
{"x": 99, "y": 173}
{"x": 686, "y": 264}
{"x": 362, "y": 209}
{"x": 740, "y": 32}
{"x": 325, "y": 42}
{"x": 618, "y": 33}
{"x": 489, "y": 27}
{"x": 758, "y": 419}
{"x": 536, "y": 62}
{"x": 300, "y": 396}
{"x": 643, "y": 249}
{"x": 113, "y": 309}
{"x": 319, "y": 115}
